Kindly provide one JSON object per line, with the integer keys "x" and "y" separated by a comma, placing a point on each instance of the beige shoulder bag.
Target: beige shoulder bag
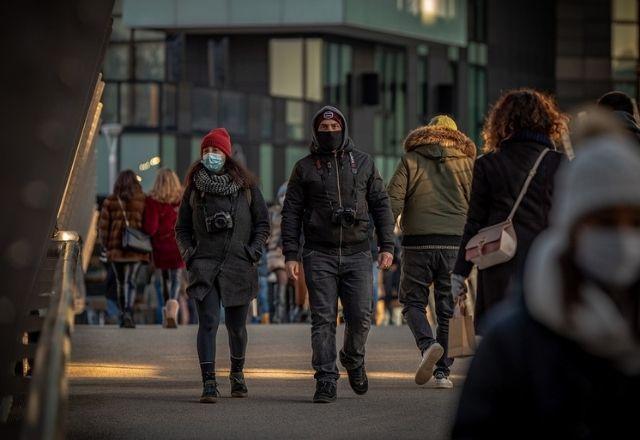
{"x": 497, "y": 244}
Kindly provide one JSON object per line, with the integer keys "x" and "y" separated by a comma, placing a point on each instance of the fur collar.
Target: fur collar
{"x": 444, "y": 137}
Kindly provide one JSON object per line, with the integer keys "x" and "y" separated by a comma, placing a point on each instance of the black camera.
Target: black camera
{"x": 219, "y": 221}
{"x": 344, "y": 216}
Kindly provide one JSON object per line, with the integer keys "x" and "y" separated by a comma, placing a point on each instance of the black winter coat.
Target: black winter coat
{"x": 317, "y": 183}
{"x": 498, "y": 178}
{"x": 228, "y": 258}
{"x": 529, "y": 382}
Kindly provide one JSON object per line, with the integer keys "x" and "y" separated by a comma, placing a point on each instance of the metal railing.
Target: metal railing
{"x": 47, "y": 397}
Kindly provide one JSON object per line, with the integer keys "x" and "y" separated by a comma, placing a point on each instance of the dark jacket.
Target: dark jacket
{"x": 312, "y": 195}
{"x": 432, "y": 185}
{"x": 112, "y": 224}
{"x": 527, "y": 381}
{"x": 497, "y": 180}
{"x": 160, "y": 222}
{"x": 231, "y": 258}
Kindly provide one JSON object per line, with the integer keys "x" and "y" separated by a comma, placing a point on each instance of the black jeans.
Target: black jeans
{"x": 421, "y": 268}
{"x": 328, "y": 278}
{"x": 209, "y": 319}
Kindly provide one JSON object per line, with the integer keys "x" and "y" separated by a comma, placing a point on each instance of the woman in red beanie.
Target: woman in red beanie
{"x": 222, "y": 227}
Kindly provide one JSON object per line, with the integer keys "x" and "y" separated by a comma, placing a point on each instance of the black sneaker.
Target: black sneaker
{"x": 358, "y": 380}
{"x": 325, "y": 392}
{"x": 210, "y": 392}
{"x": 238, "y": 386}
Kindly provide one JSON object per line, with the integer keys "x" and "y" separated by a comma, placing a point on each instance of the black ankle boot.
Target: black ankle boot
{"x": 210, "y": 392}
{"x": 238, "y": 385}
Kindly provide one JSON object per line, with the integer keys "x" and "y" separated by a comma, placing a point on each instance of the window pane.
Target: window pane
{"x": 285, "y": 67}
{"x": 266, "y": 170}
{"x": 623, "y": 69}
{"x": 110, "y": 103}
{"x": 150, "y": 60}
{"x": 140, "y": 104}
{"x": 314, "y": 69}
{"x": 169, "y": 106}
{"x": 292, "y": 155}
{"x": 627, "y": 87}
{"x": 624, "y": 41}
{"x": 204, "y": 109}
{"x": 116, "y": 62}
{"x": 139, "y": 152}
{"x": 295, "y": 120}
{"x": 102, "y": 166}
{"x": 625, "y": 10}
{"x": 195, "y": 148}
{"x": 168, "y": 152}
{"x": 233, "y": 112}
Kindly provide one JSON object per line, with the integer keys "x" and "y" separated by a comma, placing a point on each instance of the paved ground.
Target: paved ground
{"x": 145, "y": 383}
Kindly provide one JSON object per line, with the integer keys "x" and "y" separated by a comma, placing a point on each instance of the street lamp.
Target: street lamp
{"x": 111, "y": 133}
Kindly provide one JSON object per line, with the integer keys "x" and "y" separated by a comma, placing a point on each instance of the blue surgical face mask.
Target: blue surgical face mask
{"x": 214, "y": 162}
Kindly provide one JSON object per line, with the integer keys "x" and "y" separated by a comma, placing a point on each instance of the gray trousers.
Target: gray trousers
{"x": 421, "y": 268}
{"x": 328, "y": 278}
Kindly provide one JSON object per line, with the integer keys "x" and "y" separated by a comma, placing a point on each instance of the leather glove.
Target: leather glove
{"x": 458, "y": 285}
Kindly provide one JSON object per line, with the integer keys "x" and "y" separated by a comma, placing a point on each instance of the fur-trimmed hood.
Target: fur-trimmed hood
{"x": 445, "y": 138}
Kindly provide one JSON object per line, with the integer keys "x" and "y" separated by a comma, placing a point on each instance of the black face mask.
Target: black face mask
{"x": 329, "y": 141}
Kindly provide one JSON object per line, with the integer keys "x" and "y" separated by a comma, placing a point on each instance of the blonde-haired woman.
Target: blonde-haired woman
{"x": 161, "y": 213}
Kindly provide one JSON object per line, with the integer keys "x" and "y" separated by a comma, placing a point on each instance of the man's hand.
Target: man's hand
{"x": 293, "y": 269}
{"x": 385, "y": 259}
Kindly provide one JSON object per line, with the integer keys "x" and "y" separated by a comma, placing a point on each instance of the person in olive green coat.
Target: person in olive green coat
{"x": 430, "y": 191}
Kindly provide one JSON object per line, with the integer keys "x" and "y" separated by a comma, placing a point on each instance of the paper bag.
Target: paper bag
{"x": 462, "y": 336}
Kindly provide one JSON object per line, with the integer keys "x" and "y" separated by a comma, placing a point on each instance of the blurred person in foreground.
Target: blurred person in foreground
{"x": 161, "y": 213}
{"x": 221, "y": 230}
{"x": 124, "y": 208}
{"x": 624, "y": 110}
{"x": 332, "y": 191}
{"x": 275, "y": 258}
{"x": 431, "y": 189}
{"x": 563, "y": 359}
{"x": 523, "y": 126}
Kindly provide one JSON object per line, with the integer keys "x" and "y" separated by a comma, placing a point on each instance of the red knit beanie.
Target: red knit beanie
{"x": 218, "y": 138}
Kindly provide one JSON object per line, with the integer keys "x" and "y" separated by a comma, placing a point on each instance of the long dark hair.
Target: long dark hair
{"x": 127, "y": 186}
{"x": 238, "y": 173}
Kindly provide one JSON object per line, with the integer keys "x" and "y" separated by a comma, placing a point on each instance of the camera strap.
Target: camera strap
{"x": 354, "y": 172}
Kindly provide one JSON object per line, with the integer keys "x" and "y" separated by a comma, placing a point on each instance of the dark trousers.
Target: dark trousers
{"x": 328, "y": 278}
{"x": 208, "y": 321}
{"x": 420, "y": 269}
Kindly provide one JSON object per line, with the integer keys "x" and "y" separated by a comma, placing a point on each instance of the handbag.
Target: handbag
{"x": 134, "y": 240}
{"x": 462, "y": 335}
{"x": 498, "y": 243}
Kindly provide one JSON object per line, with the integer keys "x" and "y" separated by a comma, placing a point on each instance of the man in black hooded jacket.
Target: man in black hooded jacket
{"x": 330, "y": 195}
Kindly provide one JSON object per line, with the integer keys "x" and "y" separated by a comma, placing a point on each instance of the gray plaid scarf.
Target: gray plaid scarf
{"x": 222, "y": 185}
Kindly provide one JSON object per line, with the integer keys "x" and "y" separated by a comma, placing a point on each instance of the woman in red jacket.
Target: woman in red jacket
{"x": 161, "y": 212}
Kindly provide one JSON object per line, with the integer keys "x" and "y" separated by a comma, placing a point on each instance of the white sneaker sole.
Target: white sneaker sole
{"x": 443, "y": 385}
{"x": 429, "y": 359}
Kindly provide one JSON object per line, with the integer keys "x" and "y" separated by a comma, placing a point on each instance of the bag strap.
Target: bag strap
{"x": 124, "y": 213}
{"x": 527, "y": 182}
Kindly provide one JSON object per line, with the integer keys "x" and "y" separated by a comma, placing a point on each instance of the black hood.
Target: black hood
{"x": 347, "y": 144}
